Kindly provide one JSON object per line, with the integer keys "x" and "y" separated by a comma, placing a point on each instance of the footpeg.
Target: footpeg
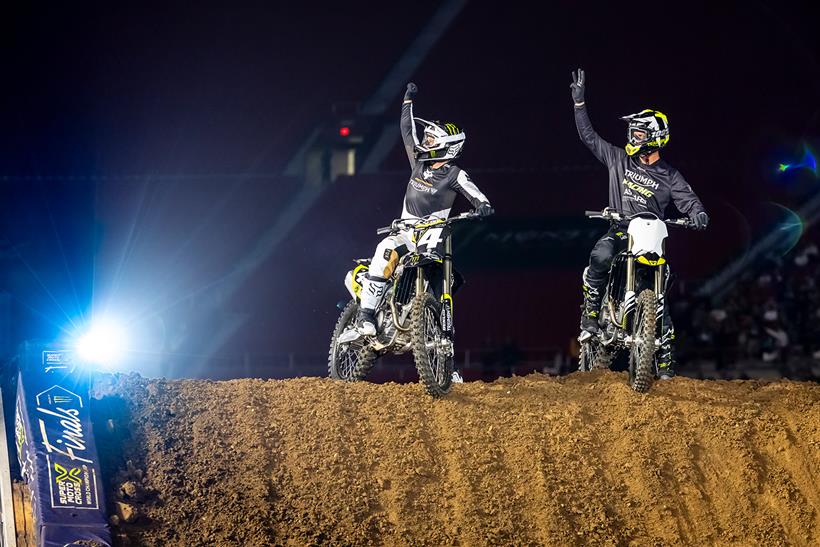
{"x": 350, "y": 335}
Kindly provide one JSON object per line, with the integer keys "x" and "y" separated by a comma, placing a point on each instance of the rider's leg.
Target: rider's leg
{"x": 596, "y": 275}
{"x": 381, "y": 268}
{"x": 666, "y": 329}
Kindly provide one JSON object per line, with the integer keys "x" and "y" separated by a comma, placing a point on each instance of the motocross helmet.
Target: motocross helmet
{"x": 440, "y": 142}
{"x": 654, "y": 127}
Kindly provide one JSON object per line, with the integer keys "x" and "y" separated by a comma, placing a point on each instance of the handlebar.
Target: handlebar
{"x": 612, "y": 215}
{"x": 416, "y": 223}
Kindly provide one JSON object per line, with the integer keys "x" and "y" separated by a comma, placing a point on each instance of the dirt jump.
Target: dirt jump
{"x": 532, "y": 460}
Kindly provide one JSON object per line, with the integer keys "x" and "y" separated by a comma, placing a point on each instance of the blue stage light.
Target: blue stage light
{"x": 104, "y": 343}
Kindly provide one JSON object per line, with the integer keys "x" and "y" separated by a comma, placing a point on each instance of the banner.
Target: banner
{"x": 56, "y": 449}
{"x": 552, "y": 243}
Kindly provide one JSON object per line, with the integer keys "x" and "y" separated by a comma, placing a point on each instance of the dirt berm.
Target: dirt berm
{"x": 531, "y": 460}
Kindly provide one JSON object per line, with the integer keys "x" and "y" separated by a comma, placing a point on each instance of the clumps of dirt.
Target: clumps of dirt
{"x": 526, "y": 460}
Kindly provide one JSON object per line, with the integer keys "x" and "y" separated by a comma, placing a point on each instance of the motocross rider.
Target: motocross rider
{"x": 639, "y": 181}
{"x": 431, "y": 190}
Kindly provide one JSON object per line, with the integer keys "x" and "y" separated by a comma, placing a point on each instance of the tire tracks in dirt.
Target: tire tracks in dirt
{"x": 522, "y": 461}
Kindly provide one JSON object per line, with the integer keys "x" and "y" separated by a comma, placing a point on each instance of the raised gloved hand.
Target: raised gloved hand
{"x": 700, "y": 220}
{"x": 485, "y": 210}
{"x": 577, "y": 86}
{"x": 412, "y": 89}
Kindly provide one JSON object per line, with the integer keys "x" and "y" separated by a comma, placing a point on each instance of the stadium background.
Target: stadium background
{"x": 180, "y": 168}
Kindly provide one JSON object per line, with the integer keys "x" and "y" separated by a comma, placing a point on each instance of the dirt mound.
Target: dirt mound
{"x": 523, "y": 461}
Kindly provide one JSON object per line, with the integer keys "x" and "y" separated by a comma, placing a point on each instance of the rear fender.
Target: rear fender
{"x": 355, "y": 278}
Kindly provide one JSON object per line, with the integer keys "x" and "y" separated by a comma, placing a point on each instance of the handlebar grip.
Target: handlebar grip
{"x": 592, "y": 213}
{"x": 382, "y": 231}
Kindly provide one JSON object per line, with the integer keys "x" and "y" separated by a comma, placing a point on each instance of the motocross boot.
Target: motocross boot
{"x": 591, "y": 309}
{"x": 372, "y": 289}
{"x": 665, "y": 356}
{"x": 366, "y": 322}
{"x": 457, "y": 378}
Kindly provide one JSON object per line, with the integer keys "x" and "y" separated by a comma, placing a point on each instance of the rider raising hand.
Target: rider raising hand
{"x": 435, "y": 180}
{"x": 639, "y": 181}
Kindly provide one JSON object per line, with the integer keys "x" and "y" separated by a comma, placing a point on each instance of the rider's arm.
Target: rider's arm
{"x": 467, "y": 188}
{"x": 604, "y": 151}
{"x": 408, "y": 130}
{"x": 684, "y": 197}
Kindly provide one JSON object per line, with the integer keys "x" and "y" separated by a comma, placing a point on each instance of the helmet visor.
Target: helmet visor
{"x": 637, "y": 136}
{"x": 429, "y": 140}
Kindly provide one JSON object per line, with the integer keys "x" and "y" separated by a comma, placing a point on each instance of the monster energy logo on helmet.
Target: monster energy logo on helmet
{"x": 441, "y": 142}
{"x": 648, "y": 131}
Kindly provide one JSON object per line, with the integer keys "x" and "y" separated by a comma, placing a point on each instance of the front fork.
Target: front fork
{"x": 660, "y": 286}
{"x": 447, "y": 285}
{"x": 446, "y": 317}
{"x": 660, "y": 295}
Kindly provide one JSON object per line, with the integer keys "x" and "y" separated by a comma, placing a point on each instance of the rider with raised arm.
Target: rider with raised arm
{"x": 431, "y": 191}
{"x": 639, "y": 181}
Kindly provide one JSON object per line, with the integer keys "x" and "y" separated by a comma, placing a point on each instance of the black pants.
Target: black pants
{"x": 600, "y": 259}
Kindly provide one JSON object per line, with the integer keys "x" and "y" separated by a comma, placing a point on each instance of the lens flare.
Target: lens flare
{"x": 808, "y": 162}
{"x": 103, "y": 344}
{"x": 790, "y": 226}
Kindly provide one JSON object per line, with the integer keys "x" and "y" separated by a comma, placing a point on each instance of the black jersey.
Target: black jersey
{"x": 633, "y": 186}
{"x": 432, "y": 191}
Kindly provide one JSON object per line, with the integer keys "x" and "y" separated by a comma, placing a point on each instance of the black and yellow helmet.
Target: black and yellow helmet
{"x": 441, "y": 141}
{"x": 655, "y": 128}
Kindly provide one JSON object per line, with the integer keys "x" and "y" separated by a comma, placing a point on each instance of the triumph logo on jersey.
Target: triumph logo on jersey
{"x": 422, "y": 186}
{"x": 641, "y": 179}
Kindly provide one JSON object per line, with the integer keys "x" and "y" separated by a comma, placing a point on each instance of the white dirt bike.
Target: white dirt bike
{"x": 415, "y": 313}
{"x": 633, "y": 299}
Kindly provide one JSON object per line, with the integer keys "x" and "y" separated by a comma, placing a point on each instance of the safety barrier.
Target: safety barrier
{"x": 56, "y": 449}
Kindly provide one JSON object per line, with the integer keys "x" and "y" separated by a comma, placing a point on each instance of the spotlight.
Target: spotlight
{"x": 103, "y": 344}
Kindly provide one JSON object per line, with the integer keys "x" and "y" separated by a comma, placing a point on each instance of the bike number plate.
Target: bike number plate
{"x": 432, "y": 240}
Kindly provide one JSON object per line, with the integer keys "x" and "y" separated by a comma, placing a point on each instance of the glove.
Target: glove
{"x": 485, "y": 210}
{"x": 577, "y": 86}
{"x": 412, "y": 89}
{"x": 700, "y": 220}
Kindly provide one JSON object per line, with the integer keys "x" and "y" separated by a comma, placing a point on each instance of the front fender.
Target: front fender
{"x": 417, "y": 260}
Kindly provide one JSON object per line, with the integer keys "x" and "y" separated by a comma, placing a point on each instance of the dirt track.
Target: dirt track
{"x": 522, "y": 461}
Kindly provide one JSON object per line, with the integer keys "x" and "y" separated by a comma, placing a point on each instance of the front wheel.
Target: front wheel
{"x": 642, "y": 352}
{"x": 432, "y": 350}
{"x": 352, "y": 361}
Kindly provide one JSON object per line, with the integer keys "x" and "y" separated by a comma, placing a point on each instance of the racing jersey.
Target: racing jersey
{"x": 635, "y": 187}
{"x": 432, "y": 191}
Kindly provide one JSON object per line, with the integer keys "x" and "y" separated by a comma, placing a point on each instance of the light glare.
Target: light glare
{"x": 103, "y": 344}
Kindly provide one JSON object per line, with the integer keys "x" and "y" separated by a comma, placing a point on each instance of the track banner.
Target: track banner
{"x": 56, "y": 449}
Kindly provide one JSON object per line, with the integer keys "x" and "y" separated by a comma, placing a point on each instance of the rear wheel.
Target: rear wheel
{"x": 594, "y": 355}
{"x": 642, "y": 352}
{"x": 432, "y": 350}
{"x": 352, "y": 361}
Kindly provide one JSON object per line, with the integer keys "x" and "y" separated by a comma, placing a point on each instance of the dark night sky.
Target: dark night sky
{"x": 109, "y": 91}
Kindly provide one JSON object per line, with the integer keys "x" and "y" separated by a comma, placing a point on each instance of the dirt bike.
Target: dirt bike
{"x": 632, "y": 300}
{"x": 415, "y": 313}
